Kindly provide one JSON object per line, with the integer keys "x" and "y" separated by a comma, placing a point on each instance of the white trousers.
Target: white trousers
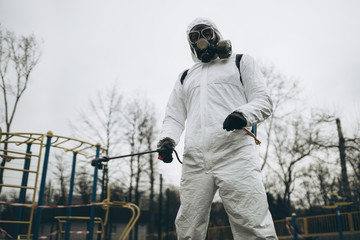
{"x": 239, "y": 182}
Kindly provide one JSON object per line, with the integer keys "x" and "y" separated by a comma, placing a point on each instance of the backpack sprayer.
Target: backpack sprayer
{"x": 98, "y": 162}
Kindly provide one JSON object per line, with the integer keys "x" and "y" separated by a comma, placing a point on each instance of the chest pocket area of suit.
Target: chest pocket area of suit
{"x": 226, "y": 75}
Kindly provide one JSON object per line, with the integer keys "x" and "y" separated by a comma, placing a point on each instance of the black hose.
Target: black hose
{"x": 99, "y": 161}
{"x": 177, "y": 156}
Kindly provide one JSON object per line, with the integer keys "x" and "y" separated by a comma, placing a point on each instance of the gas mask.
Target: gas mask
{"x": 206, "y": 44}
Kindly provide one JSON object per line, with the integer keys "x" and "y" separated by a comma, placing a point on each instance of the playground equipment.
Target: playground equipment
{"x": 62, "y": 221}
{"x": 336, "y": 205}
{"x": 107, "y": 204}
{"x": 32, "y": 149}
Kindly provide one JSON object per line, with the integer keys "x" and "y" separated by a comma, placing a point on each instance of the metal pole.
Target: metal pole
{"x": 167, "y": 213}
{"x": 294, "y": 226}
{"x": 93, "y": 197}
{"x": 23, "y": 190}
{"x": 160, "y": 210}
{"x": 338, "y": 219}
{"x": 42, "y": 185}
{"x": 71, "y": 190}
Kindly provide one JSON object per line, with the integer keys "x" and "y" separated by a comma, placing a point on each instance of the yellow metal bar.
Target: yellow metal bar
{"x": 22, "y": 153}
{"x": 30, "y": 139}
{"x": 73, "y": 139}
{"x": 136, "y": 214}
{"x": 76, "y": 140}
{"x": 58, "y": 142}
{"x": 76, "y": 217}
{"x": 82, "y": 149}
{"x": 351, "y": 222}
{"x": 106, "y": 205}
{"x": 60, "y": 228}
{"x": 20, "y": 222}
{"x": 28, "y": 136}
{"x": 80, "y": 153}
{"x": 64, "y": 221}
{"x": 16, "y": 186}
{"x": 21, "y": 134}
{"x": 64, "y": 141}
{"x": 128, "y": 227}
{"x": 18, "y": 169}
{"x": 73, "y": 148}
{"x": 8, "y": 158}
{"x": 306, "y": 230}
{"x": 41, "y": 143}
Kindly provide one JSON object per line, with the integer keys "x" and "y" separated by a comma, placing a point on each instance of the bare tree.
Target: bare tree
{"x": 84, "y": 185}
{"x": 149, "y": 135}
{"x": 140, "y": 125}
{"x": 131, "y": 121}
{"x": 284, "y": 92}
{"x": 18, "y": 58}
{"x": 317, "y": 181}
{"x": 61, "y": 174}
{"x": 101, "y": 121}
{"x": 348, "y": 148}
{"x": 353, "y": 156}
{"x": 49, "y": 193}
{"x": 292, "y": 144}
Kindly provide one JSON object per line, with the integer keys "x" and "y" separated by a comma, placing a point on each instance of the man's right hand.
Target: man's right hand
{"x": 165, "y": 149}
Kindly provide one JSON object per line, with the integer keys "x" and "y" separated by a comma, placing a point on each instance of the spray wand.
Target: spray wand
{"x": 98, "y": 162}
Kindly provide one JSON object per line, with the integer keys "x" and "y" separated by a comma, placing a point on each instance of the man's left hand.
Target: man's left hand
{"x": 235, "y": 120}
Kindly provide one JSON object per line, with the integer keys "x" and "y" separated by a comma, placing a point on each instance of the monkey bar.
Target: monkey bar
{"x": 12, "y": 153}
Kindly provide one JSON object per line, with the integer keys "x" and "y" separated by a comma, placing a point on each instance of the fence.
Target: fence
{"x": 319, "y": 225}
{"x": 307, "y": 227}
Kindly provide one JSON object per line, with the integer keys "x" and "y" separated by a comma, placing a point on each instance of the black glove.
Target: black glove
{"x": 165, "y": 149}
{"x": 235, "y": 120}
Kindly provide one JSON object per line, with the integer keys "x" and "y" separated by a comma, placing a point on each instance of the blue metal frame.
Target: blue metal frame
{"x": 338, "y": 219}
{"x": 42, "y": 186}
{"x": 93, "y": 197}
{"x": 71, "y": 190}
{"x": 294, "y": 226}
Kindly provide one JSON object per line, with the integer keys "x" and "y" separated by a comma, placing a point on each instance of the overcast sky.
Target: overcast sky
{"x": 141, "y": 46}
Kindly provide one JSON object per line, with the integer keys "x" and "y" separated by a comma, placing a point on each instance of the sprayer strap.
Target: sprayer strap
{"x": 238, "y": 59}
{"x": 183, "y": 76}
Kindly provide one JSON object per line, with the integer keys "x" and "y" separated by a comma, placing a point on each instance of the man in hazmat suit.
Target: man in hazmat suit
{"x": 218, "y": 152}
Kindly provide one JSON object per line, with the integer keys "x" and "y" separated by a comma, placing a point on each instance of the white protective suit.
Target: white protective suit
{"x": 215, "y": 159}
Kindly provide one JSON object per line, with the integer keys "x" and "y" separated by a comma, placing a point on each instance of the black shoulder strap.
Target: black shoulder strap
{"x": 238, "y": 59}
{"x": 183, "y": 76}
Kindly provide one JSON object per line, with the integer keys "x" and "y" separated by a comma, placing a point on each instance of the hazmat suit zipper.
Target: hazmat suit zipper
{"x": 203, "y": 113}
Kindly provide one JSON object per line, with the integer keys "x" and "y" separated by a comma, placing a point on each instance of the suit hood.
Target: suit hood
{"x": 197, "y": 21}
